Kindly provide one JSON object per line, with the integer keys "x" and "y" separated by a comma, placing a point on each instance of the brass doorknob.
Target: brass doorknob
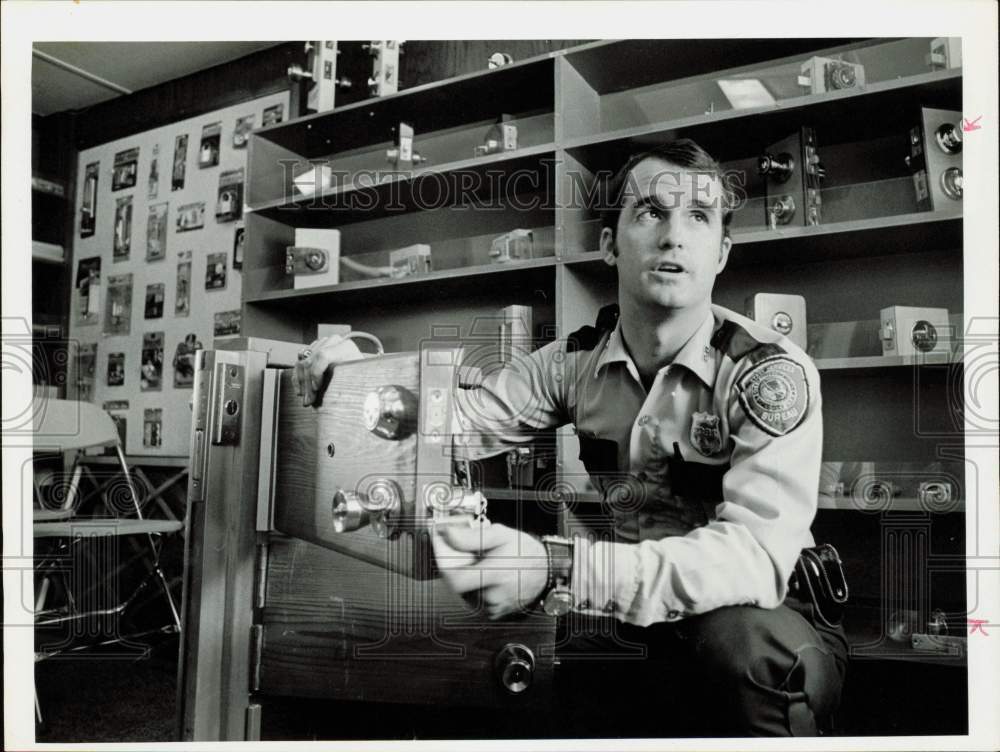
{"x": 349, "y": 512}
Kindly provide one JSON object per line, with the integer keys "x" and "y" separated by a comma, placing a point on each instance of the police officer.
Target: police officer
{"x": 703, "y": 431}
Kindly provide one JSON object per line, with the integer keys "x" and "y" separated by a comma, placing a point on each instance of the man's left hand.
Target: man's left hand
{"x": 506, "y": 568}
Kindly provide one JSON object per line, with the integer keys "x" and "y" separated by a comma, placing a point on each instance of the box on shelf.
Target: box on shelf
{"x": 516, "y": 245}
{"x": 946, "y": 52}
{"x": 823, "y": 74}
{"x": 411, "y": 260}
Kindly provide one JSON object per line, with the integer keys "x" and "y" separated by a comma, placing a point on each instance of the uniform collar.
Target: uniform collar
{"x": 614, "y": 352}
{"x": 697, "y": 354}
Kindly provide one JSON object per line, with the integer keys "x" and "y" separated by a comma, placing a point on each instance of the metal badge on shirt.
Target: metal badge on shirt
{"x": 774, "y": 394}
{"x": 706, "y": 433}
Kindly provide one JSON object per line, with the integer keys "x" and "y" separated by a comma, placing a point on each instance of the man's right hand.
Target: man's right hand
{"x": 315, "y": 366}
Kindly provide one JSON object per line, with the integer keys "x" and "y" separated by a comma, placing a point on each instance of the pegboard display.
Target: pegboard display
{"x": 156, "y": 266}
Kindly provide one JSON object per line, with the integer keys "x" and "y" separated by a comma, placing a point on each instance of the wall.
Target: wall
{"x": 155, "y": 116}
{"x": 215, "y": 237}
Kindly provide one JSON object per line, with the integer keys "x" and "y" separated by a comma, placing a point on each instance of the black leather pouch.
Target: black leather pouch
{"x": 599, "y": 456}
{"x": 819, "y": 579}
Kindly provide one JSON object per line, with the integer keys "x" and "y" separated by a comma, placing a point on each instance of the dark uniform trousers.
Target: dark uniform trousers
{"x": 735, "y": 671}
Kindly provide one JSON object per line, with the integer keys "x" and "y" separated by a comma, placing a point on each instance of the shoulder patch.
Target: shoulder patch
{"x": 774, "y": 394}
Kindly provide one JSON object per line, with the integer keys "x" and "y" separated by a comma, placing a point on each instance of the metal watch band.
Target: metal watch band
{"x": 559, "y": 552}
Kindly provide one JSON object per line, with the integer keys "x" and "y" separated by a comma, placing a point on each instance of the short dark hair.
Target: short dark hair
{"x": 682, "y": 152}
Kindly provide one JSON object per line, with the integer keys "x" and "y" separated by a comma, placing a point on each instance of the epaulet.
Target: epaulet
{"x": 587, "y": 337}
{"x": 736, "y": 342}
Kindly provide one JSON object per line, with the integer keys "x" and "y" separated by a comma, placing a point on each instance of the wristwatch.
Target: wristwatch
{"x": 557, "y": 599}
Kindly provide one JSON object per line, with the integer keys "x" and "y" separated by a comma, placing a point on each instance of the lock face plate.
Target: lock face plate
{"x": 935, "y": 159}
{"x": 793, "y": 195}
{"x": 227, "y": 404}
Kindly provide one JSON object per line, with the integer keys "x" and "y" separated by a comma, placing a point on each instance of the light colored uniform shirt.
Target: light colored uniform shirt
{"x": 711, "y": 477}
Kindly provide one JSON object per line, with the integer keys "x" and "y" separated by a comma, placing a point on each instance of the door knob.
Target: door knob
{"x": 515, "y": 667}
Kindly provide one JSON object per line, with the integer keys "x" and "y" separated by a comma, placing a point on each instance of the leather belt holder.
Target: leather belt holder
{"x": 819, "y": 579}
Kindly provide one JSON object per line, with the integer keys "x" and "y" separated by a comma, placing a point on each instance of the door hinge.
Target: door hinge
{"x": 260, "y": 577}
{"x": 257, "y": 628}
{"x": 256, "y": 648}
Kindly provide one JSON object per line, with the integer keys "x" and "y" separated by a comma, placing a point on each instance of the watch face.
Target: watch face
{"x": 558, "y": 602}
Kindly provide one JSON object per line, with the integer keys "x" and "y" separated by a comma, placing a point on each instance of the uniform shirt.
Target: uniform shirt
{"x": 711, "y": 477}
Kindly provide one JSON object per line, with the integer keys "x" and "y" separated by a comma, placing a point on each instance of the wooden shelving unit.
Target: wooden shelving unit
{"x": 580, "y": 113}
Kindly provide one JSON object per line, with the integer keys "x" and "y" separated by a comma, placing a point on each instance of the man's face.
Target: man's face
{"x": 669, "y": 243}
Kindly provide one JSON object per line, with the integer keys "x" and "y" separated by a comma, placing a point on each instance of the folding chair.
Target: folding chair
{"x": 67, "y": 427}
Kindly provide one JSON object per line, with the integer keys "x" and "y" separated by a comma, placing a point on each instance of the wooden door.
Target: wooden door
{"x": 361, "y": 614}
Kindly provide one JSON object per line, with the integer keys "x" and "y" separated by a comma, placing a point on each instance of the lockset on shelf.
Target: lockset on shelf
{"x": 792, "y": 172}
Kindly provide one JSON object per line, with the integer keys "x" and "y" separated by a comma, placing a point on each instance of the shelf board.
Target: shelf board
{"x": 519, "y": 87}
{"x": 415, "y": 286}
{"x": 47, "y": 186}
{"x": 863, "y": 624}
{"x": 884, "y": 361}
{"x": 898, "y": 504}
{"x": 881, "y": 236}
{"x": 48, "y": 253}
{"x": 370, "y": 202}
{"x": 893, "y": 100}
{"x": 610, "y": 66}
{"x": 47, "y": 327}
